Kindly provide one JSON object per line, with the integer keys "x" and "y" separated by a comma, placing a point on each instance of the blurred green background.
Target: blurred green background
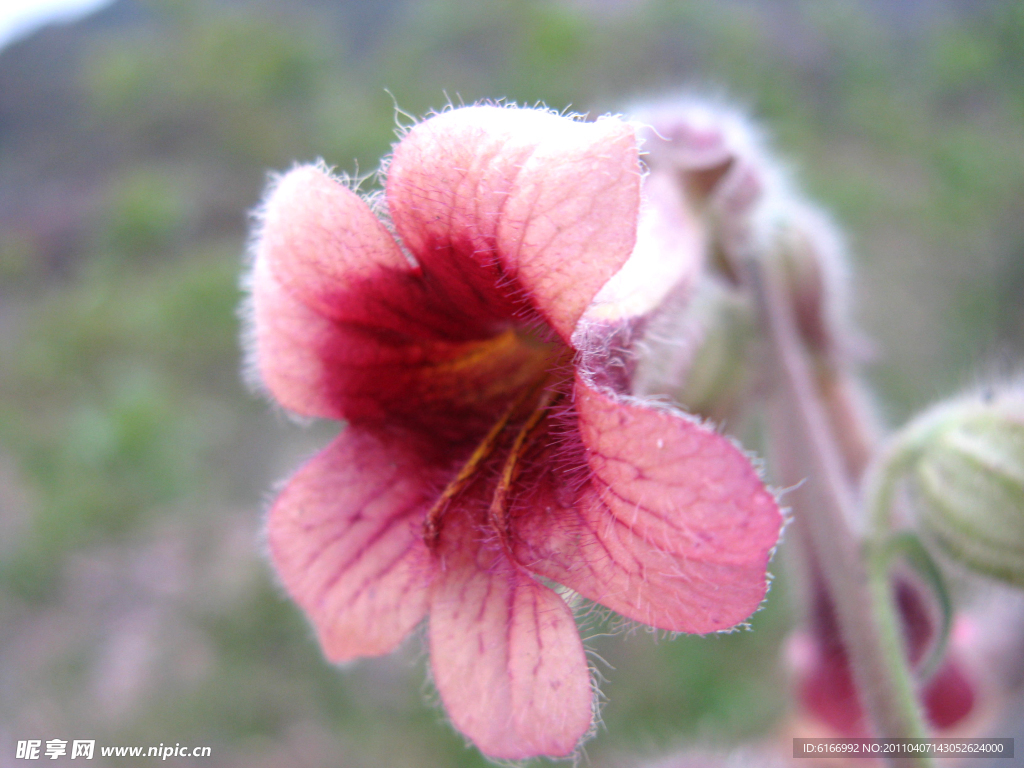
{"x": 135, "y": 605}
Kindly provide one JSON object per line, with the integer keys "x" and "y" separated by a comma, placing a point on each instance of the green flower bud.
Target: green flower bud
{"x": 968, "y": 470}
{"x": 719, "y": 374}
{"x": 702, "y": 355}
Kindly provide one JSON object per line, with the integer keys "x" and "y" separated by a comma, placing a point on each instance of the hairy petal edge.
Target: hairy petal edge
{"x": 547, "y": 204}
{"x": 346, "y": 538}
{"x": 506, "y": 654}
{"x": 671, "y": 527}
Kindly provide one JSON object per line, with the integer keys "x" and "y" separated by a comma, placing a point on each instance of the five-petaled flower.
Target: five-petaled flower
{"x": 480, "y": 357}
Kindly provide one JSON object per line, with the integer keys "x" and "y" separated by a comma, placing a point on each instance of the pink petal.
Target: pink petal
{"x": 320, "y": 240}
{"x": 666, "y": 260}
{"x": 346, "y": 538}
{"x": 291, "y": 349}
{"x": 506, "y": 655}
{"x": 319, "y": 245}
{"x": 671, "y": 526}
{"x": 521, "y": 202}
{"x": 345, "y": 327}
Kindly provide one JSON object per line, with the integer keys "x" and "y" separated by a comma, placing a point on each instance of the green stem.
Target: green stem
{"x": 880, "y": 484}
{"x": 863, "y": 604}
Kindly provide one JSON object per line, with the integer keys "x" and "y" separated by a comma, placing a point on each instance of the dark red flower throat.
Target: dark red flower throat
{"x": 500, "y": 455}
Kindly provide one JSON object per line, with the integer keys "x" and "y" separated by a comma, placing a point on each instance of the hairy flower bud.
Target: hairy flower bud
{"x": 701, "y": 355}
{"x": 714, "y": 150}
{"x": 807, "y": 248}
{"x": 719, "y": 163}
{"x": 971, "y": 478}
{"x": 967, "y": 465}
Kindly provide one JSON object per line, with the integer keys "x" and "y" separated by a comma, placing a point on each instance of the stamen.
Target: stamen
{"x": 498, "y": 512}
{"x": 432, "y": 522}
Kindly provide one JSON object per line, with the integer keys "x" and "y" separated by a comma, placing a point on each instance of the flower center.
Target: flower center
{"x": 513, "y": 432}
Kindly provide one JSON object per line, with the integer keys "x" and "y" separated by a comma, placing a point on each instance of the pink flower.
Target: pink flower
{"x": 824, "y": 681}
{"x": 491, "y": 448}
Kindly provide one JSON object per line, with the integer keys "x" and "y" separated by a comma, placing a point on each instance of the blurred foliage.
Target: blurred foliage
{"x": 133, "y": 460}
{"x": 124, "y": 376}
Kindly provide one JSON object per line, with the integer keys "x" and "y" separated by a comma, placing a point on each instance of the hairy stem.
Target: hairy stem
{"x": 863, "y": 605}
{"x": 851, "y": 417}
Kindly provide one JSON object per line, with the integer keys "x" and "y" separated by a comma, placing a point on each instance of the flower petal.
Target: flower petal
{"x": 521, "y": 202}
{"x": 666, "y": 260}
{"x": 506, "y": 655}
{"x": 671, "y": 525}
{"x": 320, "y": 239}
{"x": 346, "y": 538}
{"x": 345, "y": 327}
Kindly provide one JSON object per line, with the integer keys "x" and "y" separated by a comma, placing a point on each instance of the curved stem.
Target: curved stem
{"x": 888, "y": 626}
{"x": 878, "y": 663}
{"x": 880, "y": 488}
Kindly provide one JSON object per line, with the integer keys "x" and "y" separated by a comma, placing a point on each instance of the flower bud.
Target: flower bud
{"x": 719, "y": 372}
{"x": 714, "y": 150}
{"x": 969, "y": 473}
{"x": 720, "y": 166}
{"x": 808, "y": 250}
{"x": 824, "y": 686}
{"x": 701, "y": 355}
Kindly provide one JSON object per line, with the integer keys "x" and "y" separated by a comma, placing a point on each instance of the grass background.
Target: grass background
{"x": 135, "y": 605}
